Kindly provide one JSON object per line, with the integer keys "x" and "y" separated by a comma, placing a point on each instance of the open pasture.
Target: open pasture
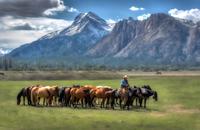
{"x": 178, "y": 107}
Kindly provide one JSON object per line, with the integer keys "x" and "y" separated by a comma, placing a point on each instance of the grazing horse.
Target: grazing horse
{"x": 135, "y": 94}
{"x": 23, "y": 93}
{"x": 26, "y": 93}
{"x": 38, "y": 92}
{"x": 82, "y": 93}
{"x": 54, "y": 93}
{"x": 147, "y": 92}
{"x": 124, "y": 96}
{"x": 111, "y": 95}
{"x": 64, "y": 96}
{"x": 99, "y": 93}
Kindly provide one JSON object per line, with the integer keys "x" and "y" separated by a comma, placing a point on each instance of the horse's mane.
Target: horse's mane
{"x": 147, "y": 87}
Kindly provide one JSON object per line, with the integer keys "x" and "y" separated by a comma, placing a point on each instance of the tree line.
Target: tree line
{"x": 9, "y": 64}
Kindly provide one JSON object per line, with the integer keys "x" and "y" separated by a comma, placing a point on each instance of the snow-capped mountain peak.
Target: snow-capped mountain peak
{"x": 85, "y": 21}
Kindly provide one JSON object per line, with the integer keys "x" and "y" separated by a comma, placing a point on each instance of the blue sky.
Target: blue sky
{"x": 119, "y": 9}
{"x": 23, "y": 21}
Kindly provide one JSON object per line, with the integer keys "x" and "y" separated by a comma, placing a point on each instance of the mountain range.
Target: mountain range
{"x": 160, "y": 39}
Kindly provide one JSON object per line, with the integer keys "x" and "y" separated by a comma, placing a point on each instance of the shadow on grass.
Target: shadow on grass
{"x": 97, "y": 108}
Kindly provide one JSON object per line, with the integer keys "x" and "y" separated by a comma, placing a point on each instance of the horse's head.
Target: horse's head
{"x": 155, "y": 96}
{"x": 18, "y": 101}
{"x": 21, "y": 92}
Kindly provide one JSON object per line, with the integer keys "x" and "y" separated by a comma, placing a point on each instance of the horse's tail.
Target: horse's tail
{"x": 49, "y": 96}
{"x": 155, "y": 96}
{"x": 28, "y": 94}
{"x": 61, "y": 94}
{"x": 19, "y": 96}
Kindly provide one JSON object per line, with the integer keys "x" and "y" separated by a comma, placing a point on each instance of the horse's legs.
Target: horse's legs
{"x": 102, "y": 103}
{"x": 44, "y": 101}
{"x": 145, "y": 101}
{"x": 107, "y": 102}
{"x": 82, "y": 102}
{"x": 116, "y": 101}
{"x": 37, "y": 101}
{"x": 136, "y": 102}
{"x": 120, "y": 103}
{"x": 140, "y": 101}
{"x": 24, "y": 100}
{"x": 112, "y": 103}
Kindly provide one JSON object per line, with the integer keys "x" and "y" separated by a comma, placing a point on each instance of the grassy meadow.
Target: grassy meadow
{"x": 178, "y": 107}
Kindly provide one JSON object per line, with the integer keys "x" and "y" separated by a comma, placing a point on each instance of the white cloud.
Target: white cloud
{"x": 71, "y": 9}
{"x": 110, "y": 21}
{"x": 10, "y": 37}
{"x": 53, "y": 11}
{"x": 40, "y": 23}
{"x": 143, "y": 17}
{"x": 134, "y": 8}
{"x": 192, "y": 14}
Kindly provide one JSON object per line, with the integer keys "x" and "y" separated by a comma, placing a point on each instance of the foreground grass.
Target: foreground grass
{"x": 178, "y": 108}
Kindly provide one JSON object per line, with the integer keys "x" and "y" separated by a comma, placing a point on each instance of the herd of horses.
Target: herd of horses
{"x": 87, "y": 96}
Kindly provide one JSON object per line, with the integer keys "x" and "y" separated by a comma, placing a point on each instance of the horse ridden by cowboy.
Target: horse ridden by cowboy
{"x": 124, "y": 82}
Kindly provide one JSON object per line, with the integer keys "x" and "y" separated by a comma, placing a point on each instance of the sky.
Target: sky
{"x": 24, "y": 21}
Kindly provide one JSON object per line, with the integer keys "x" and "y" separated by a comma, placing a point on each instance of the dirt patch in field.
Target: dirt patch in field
{"x": 158, "y": 114}
{"x": 179, "y": 108}
{"x": 175, "y": 109}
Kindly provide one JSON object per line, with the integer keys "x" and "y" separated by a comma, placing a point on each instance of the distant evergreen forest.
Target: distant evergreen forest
{"x": 8, "y": 64}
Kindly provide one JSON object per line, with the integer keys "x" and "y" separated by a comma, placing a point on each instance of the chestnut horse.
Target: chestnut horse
{"x": 38, "y": 92}
{"x": 54, "y": 93}
{"x": 99, "y": 93}
{"x": 124, "y": 97}
{"x": 82, "y": 93}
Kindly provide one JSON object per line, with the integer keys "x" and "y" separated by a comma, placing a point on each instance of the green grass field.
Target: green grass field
{"x": 178, "y": 108}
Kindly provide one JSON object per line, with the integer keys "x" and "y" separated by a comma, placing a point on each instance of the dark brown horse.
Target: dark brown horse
{"x": 111, "y": 96}
{"x": 147, "y": 92}
{"x": 22, "y": 93}
{"x": 25, "y": 93}
{"x": 64, "y": 96}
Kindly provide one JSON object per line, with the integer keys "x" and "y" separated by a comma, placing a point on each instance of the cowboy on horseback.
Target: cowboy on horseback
{"x": 124, "y": 82}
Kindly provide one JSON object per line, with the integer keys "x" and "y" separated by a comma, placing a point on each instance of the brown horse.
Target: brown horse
{"x": 82, "y": 93}
{"x": 54, "y": 93}
{"x": 38, "y": 92}
{"x": 100, "y": 93}
{"x": 124, "y": 98}
{"x": 34, "y": 90}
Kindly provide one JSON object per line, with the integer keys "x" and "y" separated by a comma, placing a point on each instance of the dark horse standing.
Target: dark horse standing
{"x": 64, "y": 96}
{"x": 24, "y": 92}
{"x": 147, "y": 92}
